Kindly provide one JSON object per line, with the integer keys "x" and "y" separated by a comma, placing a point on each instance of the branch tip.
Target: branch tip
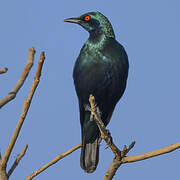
{"x": 16, "y": 162}
{"x": 55, "y": 160}
{"x": 32, "y": 49}
{"x": 3, "y": 70}
{"x": 20, "y": 82}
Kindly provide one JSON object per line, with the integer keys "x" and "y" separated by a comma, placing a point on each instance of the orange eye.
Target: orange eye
{"x": 87, "y": 18}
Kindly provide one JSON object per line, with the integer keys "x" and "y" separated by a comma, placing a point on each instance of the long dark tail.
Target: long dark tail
{"x": 90, "y": 145}
{"x": 90, "y": 156}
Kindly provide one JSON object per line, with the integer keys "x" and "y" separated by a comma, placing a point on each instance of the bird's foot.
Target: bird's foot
{"x": 87, "y": 107}
{"x": 98, "y": 111}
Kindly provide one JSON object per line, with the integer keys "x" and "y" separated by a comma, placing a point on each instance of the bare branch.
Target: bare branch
{"x": 129, "y": 159}
{"x": 16, "y": 162}
{"x": 55, "y": 160}
{"x": 104, "y": 134}
{"x": 3, "y": 70}
{"x": 148, "y": 155}
{"x": 116, "y": 163}
{"x": 21, "y": 80}
{"x": 122, "y": 158}
{"x": 26, "y": 106}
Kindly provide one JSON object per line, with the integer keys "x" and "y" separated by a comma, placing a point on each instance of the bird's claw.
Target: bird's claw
{"x": 98, "y": 110}
{"x": 87, "y": 107}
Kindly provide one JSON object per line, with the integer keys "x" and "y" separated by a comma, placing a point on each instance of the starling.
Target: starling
{"x": 101, "y": 69}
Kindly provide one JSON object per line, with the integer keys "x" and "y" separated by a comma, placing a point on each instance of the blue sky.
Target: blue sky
{"x": 148, "y": 112}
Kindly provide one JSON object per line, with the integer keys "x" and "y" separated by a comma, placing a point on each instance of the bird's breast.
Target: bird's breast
{"x": 100, "y": 72}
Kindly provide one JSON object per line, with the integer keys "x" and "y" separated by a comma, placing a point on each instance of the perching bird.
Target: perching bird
{"x": 101, "y": 69}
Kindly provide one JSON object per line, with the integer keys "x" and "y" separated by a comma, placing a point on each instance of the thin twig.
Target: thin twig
{"x": 167, "y": 149}
{"x": 55, "y": 160}
{"x": 103, "y": 131}
{"x": 16, "y": 162}
{"x": 21, "y": 80}
{"x": 3, "y": 70}
{"x": 26, "y": 106}
{"x": 126, "y": 150}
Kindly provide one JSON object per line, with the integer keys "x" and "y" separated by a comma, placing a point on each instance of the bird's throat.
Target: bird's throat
{"x": 97, "y": 39}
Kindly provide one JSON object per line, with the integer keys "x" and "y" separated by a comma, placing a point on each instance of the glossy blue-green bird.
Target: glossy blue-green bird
{"x": 101, "y": 69}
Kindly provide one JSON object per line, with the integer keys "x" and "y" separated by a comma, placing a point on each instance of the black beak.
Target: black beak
{"x": 73, "y": 20}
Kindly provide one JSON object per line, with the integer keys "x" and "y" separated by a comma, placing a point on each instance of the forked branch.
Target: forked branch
{"x": 21, "y": 80}
{"x": 4, "y": 159}
{"x": 16, "y": 162}
{"x": 26, "y": 106}
{"x": 122, "y": 158}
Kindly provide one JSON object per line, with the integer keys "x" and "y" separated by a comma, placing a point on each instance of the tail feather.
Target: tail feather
{"x": 90, "y": 156}
{"x": 90, "y": 144}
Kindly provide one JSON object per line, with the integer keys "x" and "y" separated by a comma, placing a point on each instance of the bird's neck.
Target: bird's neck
{"x": 97, "y": 39}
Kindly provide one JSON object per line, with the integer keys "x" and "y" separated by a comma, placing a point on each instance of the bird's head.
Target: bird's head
{"x": 94, "y": 23}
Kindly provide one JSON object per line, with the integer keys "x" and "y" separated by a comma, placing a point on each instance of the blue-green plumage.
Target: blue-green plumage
{"x": 101, "y": 69}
